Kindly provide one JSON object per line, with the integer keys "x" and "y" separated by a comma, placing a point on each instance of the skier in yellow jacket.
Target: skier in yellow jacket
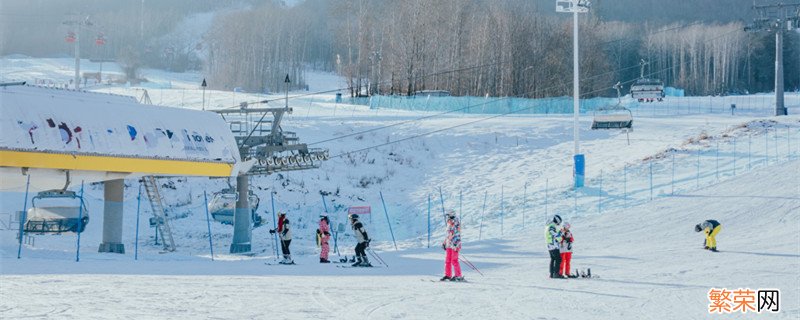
{"x": 711, "y": 229}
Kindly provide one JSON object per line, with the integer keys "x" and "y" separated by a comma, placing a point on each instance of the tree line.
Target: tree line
{"x": 467, "y": 47}
{"x": 485, "y": 47}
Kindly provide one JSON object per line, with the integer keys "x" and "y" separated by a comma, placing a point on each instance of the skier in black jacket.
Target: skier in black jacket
{"x": 363, "y": 242}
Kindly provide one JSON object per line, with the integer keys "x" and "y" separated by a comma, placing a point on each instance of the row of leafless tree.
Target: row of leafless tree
{"x": 473, "y": 47}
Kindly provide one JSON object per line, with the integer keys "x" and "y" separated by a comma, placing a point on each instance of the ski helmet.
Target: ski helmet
{"x": 451, "y": 214}
{"x": 354, "y": 217}
{"x": 557, "y": 219}
{"x": 698, "y": 228}
{"x": 281, "y": 213}
{"x": 566, "y": 225}
{"x": 323, "y": 215}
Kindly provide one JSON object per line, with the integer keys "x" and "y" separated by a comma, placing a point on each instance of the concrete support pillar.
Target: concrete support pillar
{"x": 112, "y": 216}
{"x": 242, "y": 224}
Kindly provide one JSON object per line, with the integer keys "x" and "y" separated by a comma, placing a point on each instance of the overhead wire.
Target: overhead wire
{"x": 503, "y": 114}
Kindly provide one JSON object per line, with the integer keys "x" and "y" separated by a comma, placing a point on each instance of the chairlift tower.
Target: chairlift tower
{"x": 575, "y": 7}
{"x": 778, "y": 18}
{"x": 78, "y": 24}
{"x": 267, "y": 149}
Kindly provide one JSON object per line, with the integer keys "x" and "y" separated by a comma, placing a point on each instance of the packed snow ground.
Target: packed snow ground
{"x": 649, "y": 262}
{"x": 646, "y": 254}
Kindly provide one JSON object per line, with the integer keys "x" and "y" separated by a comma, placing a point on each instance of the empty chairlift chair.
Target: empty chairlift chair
{"x": 56, "y": 211}
{"x": 615, "y": 117}
{"x": 223, "y": 204}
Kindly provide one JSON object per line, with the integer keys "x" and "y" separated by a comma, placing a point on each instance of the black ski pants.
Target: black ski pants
{"x": 360, "y": 249}
{"x": 555, "y": 262}
{"x": 285, "y": 246}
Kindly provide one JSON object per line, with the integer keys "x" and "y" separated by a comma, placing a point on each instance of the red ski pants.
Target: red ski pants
{"x": 324, "y": 248}
{"x": 565, "y": 259}
{"x": 451, "y": 260}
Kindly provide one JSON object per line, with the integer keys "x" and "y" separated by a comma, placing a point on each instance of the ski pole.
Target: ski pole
{"x": 377, "y": 257}
{"x": 472, "y": 266}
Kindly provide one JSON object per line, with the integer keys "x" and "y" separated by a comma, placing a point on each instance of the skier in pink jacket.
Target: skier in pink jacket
{"x": 452, "y": 245}
{"x": 324, "y": 235}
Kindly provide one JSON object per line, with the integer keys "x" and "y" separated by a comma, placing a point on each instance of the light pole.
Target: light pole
{"x": 575, "y": 7}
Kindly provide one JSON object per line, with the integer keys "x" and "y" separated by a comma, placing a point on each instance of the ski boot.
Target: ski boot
{"x": 357, "y": 263}
{"x": 457, "y": 279}
{"x": 445, "y": 278}
{"x": 713, "y": 249}
{"x": 324, "y": 260}
{"x": 365, "y": 263}
{"x": 287, "y": 259}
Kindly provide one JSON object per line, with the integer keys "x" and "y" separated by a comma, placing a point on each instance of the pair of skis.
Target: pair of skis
{"x": 579, "y": 274}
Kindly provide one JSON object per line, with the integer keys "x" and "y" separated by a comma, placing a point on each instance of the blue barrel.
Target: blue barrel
{"x": 338, "y": 97}
{"x": 580, "y": 170}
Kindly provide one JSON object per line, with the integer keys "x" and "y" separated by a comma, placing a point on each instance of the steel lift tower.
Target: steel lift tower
{"x": 778, "y": 18}
{"x": 268, "y": 149}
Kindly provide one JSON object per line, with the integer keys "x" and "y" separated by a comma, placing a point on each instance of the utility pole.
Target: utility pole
{"x": 778, "y": 18}
{"x": 78, "y": 24}
{"x": 575, "y": 7}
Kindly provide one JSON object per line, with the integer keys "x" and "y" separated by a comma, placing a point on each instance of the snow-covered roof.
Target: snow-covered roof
{"x": 79, "y": 123}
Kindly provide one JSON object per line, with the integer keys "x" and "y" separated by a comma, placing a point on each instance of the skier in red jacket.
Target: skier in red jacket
{"x": 566, "y": 250}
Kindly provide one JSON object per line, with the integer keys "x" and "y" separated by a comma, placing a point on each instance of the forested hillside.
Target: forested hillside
{"x": 468, "y": 47}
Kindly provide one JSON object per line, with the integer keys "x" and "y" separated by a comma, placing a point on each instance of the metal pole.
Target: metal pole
{"x": 575, "y": 201}
{"x": 575, "y": 81}
{"x": 780, "y": 109}
{"x": 208, "y": 223}
{"x": 429, "y": 220}
{"x": 651, "y": 181}
{"x": 441, "y": 197}
{"x": 80, "y": 226}
{"x": 324, "y": 204}
{"x": 386, "y": 212}
{"x": 136, "y": 238}
{"x": 480, "y": 232}
{"x": 579, "y": 160}
{"x": 24, "y": 217}
{"x": 78, "y": 55}
{"x": 275, "y": 220}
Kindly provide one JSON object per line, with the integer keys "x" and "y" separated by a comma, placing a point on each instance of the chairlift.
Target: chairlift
{"x": 614, "y": 117}
{"x": 647, "y": 90}
{"x": 70, "y": 38}
{"x": 100, "y": 40}
{"x": 223, "y": 205}
{"x": 55, "y": 211}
